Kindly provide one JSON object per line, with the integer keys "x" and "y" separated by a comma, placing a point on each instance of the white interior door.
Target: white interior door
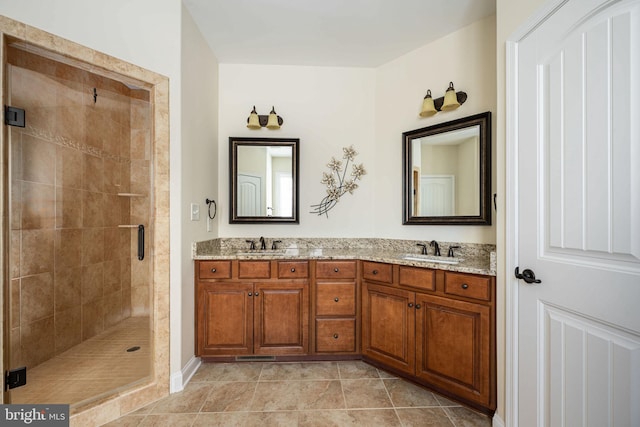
{"x": 437, "y": 195}
{"x": 577, "y": 219}
{"x": 249, "y": 195}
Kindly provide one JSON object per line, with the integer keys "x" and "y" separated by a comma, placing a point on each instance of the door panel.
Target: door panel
{"x": 578, "y": 204}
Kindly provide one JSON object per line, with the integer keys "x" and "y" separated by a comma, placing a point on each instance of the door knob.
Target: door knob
{"x": 527, "y": 275}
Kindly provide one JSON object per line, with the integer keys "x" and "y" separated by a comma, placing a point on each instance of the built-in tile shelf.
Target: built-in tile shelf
{"x": 128, "y": 225}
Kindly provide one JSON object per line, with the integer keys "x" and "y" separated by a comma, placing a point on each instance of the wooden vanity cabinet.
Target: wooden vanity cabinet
{"x": 247, "y": 309}
{"x": 435, "y": 326}
{"x": 335, "y": 307}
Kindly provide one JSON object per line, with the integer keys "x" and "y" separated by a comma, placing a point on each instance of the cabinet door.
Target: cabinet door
{"x": 388, "y": 326}
{"x": 453, "y": 342}
{"x": 224, "y": 319}
{"x": 281, "y": 318}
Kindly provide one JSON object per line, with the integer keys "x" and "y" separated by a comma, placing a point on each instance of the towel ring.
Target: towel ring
{"x": 215, "y": 208}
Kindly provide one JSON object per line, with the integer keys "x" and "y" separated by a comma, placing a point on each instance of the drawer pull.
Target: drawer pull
{"x": 293, "y": 270}
{"x": 250, "y": 294}
{"x": 213, "y": 270}
{"x": 257, "y": 293}
{"x": 410, "y": 304}
{"x": 336, "y": 269}
{"x": 336, "y": 299}
{"x": 418, "y": 306}
{"x": 375, "y": 272}
{"x": 335, "y": 336}
{"x": 464, "y": 286}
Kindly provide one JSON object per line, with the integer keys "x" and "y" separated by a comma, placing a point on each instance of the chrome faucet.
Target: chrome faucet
{"x": 263, "y": 244}
{"x": 436, "y": 247}
{"x": 424, "y": 248}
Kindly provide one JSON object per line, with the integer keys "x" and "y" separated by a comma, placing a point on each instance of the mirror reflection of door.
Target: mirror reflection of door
{"x": 249, "y": 195}
{"x": 437, "y": 195}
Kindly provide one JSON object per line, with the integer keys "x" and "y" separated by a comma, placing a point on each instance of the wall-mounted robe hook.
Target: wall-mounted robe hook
{"x": 95, "y": 95}
{"x": 215, "y": 208}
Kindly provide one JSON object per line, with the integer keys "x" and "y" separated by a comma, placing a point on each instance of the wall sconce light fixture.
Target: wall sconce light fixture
{"x": 450, "y": 101}
{"x": 272, "y": 121}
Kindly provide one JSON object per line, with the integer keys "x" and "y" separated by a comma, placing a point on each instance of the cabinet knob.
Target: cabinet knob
{"x": 293, "y": 270}
{"x": 464, "y": 286}
{"x": 335, "y": 336}
{"x": 336, "y": 269}
{"x": 418, "y": 306}
{"x": 213, "y": 270}
{"x": 256, "y": 294}
{"x": 410, "y": 304}
{"x": 375, "y": 272}
{"x": 336, "y": 299}
{"x": 250, "y": 294}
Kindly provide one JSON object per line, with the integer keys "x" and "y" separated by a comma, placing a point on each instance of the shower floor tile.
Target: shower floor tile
{"x": 93, "y": 368}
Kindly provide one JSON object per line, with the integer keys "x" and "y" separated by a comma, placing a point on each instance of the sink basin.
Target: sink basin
{"x": 267, "y": 252}
{"x": 431, "y": 258}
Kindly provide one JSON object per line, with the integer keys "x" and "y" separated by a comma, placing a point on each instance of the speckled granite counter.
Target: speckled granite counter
{"x": 473, "y": 258}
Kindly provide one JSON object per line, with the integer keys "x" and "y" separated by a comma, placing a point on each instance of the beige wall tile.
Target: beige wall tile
{"x": 68, "y": 247}
{"x": 68, "y": 328}
{"x": 112, "y": 276}
{"x": 67, "y": 288}
{"x": 92, "y": 286}
{"x": 93, "y": 171}
{"x": 92, "y": 318}
{"x": 36, "y": 254}
{"x": 15, "y": 303}
{"x": 38, "y": 205}
{"x": 68, "y": 167}
{"x": 38, "y": 160}
{"x": 37, "y": 341}
{"x": 69, "y": 205}
{"x": 112, "y": 308}
{"x": 92, "y": 245}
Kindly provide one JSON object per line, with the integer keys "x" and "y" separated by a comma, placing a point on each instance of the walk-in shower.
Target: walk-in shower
{"x": 80, "y": 228}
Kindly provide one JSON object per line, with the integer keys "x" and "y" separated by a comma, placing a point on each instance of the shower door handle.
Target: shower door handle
{"x": 140, "y": 242}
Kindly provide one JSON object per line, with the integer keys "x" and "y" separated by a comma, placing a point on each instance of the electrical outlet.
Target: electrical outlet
{"x": 195, "y": 212}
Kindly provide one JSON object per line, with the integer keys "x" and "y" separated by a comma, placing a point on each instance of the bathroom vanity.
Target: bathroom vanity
{"x": 430, "y": 322}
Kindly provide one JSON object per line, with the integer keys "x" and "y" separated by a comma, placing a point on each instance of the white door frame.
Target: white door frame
{"x": 511, "y": 223}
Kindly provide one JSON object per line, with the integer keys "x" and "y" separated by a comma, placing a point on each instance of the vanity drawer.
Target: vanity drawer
{"x": 293, "y": 269}
{"x": 254, "y": 269}
{"x": 214, "y": 269}
{"x": 336, "y": 269}
{"x": 466, "y": 285}
{"x": 421, "y": 278}
{"x": 377, "y": 271}
{"x": 335, "y": 335}
{"x": 336, "y": 299}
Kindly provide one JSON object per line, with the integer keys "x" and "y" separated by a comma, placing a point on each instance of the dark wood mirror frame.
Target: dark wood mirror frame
{"x": 234, "y": 144}
{"x": 482, "y": 120}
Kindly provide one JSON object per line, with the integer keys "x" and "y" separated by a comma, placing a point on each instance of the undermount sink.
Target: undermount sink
{"x": 266, "y": 252}
{"x": 431, "y": 258}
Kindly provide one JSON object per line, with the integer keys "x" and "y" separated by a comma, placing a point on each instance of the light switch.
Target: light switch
{"x": 195, "y": 212}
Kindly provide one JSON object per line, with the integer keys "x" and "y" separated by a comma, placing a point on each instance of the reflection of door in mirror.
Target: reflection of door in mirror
{"x": 249, "y": 202}
{"x": 437, "y": 195}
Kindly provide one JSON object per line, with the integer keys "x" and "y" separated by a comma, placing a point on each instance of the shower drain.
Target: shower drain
{"x": 132, "y": 349}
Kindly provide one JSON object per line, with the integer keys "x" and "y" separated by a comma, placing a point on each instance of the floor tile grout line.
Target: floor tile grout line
{"x": 393, "y": 405}
{"x": 344, "y": 396}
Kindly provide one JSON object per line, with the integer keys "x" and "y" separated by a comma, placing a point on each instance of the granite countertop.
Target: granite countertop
{"x": 476, "y": 260}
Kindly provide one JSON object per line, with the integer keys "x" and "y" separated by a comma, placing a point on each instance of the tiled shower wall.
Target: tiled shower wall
{"x": 74, "y": 168}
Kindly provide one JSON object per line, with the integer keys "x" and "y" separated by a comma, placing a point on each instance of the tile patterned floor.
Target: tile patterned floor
{"x": 91, "y": 369}
{"x": 350, "y": 393}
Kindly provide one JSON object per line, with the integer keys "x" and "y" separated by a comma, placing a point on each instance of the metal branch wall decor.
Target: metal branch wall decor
{"x": 336, "y": 181}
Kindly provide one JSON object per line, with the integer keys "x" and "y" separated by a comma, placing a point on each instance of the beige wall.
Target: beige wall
{"x": 465, "y": 57}
{"x": 199, "y": 176}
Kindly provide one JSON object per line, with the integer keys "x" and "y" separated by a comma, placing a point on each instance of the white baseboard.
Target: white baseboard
{"x": 180, "y": 379}
{"x": 497, "y": 421}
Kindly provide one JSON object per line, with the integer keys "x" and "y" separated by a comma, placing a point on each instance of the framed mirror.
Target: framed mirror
{"x": 263, "y": 180}
{"x": 447, "y": 172}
